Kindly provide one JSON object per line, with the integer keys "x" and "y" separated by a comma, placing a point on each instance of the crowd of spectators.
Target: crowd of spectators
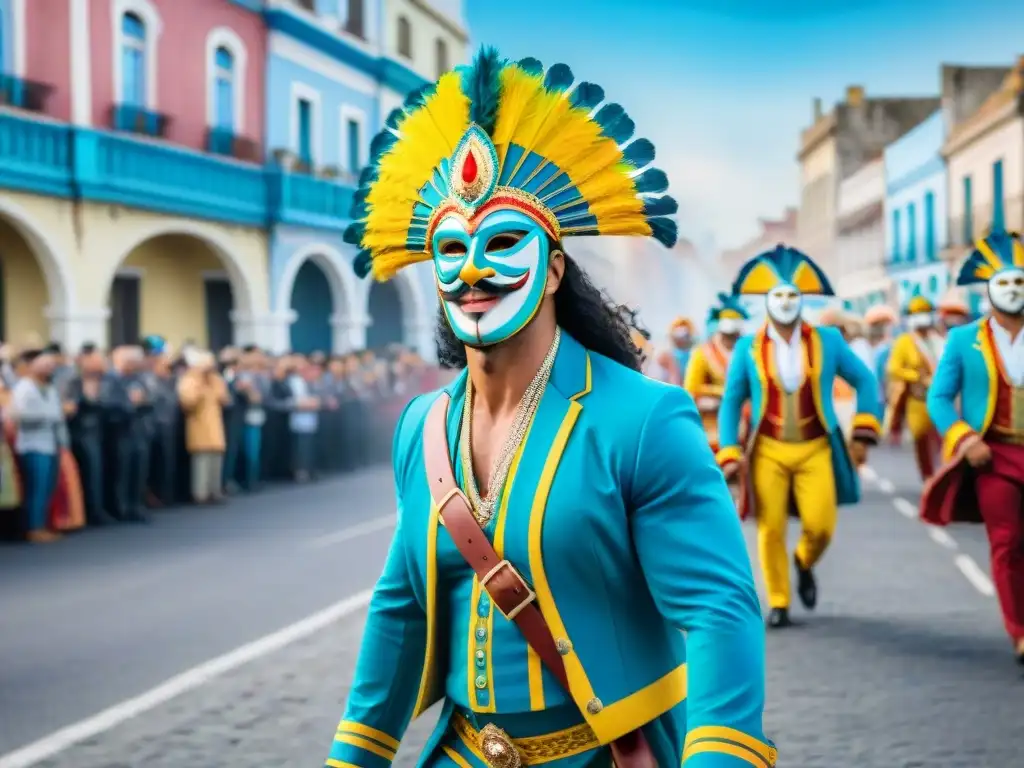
{"x": 102, "y": 439}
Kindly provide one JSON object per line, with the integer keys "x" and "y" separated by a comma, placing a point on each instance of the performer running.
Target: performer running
{"x": 911, "y": 368}
{"x": 797, "y": 455}
{"x": 549, "y": 549}
{"x": 705, "y": 372}
{"x": 977, "y": 402}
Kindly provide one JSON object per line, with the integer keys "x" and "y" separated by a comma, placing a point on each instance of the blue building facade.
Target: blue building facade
{"x": 916, "y": 222}
{"x": 330, "y": 84}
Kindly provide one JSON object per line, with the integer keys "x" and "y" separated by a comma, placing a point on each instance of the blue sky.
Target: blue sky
{"x": 724, "y": 87}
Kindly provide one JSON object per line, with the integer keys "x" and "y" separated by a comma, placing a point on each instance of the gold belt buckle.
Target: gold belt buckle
{"x": 498, "y": 748}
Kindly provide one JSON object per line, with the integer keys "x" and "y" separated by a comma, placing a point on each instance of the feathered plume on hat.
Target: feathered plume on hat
{"x": 781, "y": 266}
{"x": 501, "y": 134}
{"x": 727, "y": 307}
{"x": 992, "y": 254}
{"x": 918, "y": 304}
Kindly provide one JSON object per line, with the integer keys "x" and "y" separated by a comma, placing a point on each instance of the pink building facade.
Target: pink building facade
{"x": 179, "y": 70}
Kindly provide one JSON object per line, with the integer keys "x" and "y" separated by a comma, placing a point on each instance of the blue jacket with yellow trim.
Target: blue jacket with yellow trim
{"x": 832, "y": 356}
{"x": 966, "y": 371}
{"x": 621, "y": 521}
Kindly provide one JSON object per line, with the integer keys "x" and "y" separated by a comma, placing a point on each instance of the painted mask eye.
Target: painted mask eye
{"x": 452, "y": 248}
{"x": 504, "y": 241}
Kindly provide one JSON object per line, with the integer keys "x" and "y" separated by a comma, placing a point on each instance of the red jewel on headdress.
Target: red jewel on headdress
{"x": 469, "y": 168}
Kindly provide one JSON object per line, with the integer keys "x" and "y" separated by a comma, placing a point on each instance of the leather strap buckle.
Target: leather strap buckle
{"x": 520, "y": 588}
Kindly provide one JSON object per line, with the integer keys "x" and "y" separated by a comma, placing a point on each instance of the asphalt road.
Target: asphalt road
{"x": 903, "y": 665}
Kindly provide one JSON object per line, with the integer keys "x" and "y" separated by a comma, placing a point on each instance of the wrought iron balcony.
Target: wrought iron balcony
{"x": 134, "y": 119}
{"x": 23, "y": 94}
{"x": 35, "y": 155}
{"x": 308, "y": 201}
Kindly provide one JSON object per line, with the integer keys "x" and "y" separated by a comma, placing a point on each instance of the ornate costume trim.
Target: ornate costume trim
{"x": 715, "y": 733}
{"x": 533, "y": 750}
{"x": 728, "y": 455}
{"x": 987, "y": 345}
{"x": 954, "y": 437}
{"x": 455, "y": 757}
{"x": 347, "y": 726}
{"x": 505, "y": 134}
{"x": 365, "y": 744}
{"x": 867, "y": 422}
{"x": 726, "y": 748}
{"x": 431, "y": 684}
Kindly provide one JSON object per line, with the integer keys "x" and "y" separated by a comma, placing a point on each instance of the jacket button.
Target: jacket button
{"x": 564, "y": 646}
{"x": 481, "y": 682}
{"x": 594, "y": 706}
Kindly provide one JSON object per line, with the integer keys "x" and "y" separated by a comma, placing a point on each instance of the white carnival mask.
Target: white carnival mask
{"x": 1006, "y": 291}
{"x": 730, "y": 326}
{"x": 784, "y": 303}
{"x": 920, "y": 321}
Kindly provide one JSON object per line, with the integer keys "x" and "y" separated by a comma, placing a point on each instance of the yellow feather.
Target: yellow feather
{"x": 518, "y": 90}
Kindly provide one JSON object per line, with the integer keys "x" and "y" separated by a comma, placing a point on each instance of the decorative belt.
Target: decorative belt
{"x": 809, "y": 428}
{"x": 498, "y": 750}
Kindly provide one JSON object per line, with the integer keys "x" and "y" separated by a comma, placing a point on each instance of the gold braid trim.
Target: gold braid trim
{"x": 534, "y": 750}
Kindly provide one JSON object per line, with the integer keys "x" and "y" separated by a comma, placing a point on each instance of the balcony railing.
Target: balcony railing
{"x": 220, "y": 141}
{"x": 23, "y": 94}
{"x": 133, "y": 119}
{"x": 55, "y": 159}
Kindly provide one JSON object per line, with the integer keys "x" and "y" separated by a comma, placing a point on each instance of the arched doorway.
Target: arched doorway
{"x": 387, "y": 316}
{"x": 176, "y": 286}
{"x": 24, "y": 293}
{"x": 312, "y": 301}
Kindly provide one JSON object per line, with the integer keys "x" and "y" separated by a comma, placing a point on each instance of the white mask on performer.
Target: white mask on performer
{"x": 783, "y": 304}
{"x": 920, "y": 321}
{"x": 1006, "y": 291}
{"x": 730, "y": 326}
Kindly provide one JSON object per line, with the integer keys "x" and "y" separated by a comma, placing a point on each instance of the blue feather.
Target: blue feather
{"x": 615, "y": 123}
{"x": 354, "y": 233}
{"x": 418, "y": 96}
{"x": 482, "y": 85}
{"x": 368, "y": 175}
{"x": 559, "y": 78}
{"x": 723, "y": 298}
{"x": 587, "y": 96}
{"x": 394, "y": 118}
{"x": 651, "y": 181}
{"x": 660, "y": 206}
{"x": 381, "y": 143}
{"x": 531, "y": 65}
{"x": 362, "y": 263}
{"x": 639, "y": 153}
{"x": 665, "y": 231}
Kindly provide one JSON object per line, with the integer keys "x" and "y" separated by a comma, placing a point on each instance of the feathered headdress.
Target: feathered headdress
{"x": 992, "y": 254}
{"x": 918, "y": 304}
{"x": 728, "y": 306}
{"x": 779, "y": 266}
{"x": 498, "y": 134}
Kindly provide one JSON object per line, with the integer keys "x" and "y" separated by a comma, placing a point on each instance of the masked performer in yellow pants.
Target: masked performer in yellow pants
{"x": 912, "y": 362}
{"x": 796, "y": 455}
{"x": 705, "y": 372}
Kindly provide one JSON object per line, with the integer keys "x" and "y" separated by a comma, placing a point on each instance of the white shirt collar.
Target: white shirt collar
{"x": 1004, "y": 335}
{"x": 777, "y": 337}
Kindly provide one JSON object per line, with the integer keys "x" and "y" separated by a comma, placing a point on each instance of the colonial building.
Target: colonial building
{"x": 985, "y": 160}
{"x": 916, "y": 202}
{"x": 859, "y": 271}
{"x": 133, "y": 200}
{"x": 835, "y": 146}
{"x": 336, "y": 68}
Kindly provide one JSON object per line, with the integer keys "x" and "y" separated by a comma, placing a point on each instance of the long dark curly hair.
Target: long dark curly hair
{"x": 585, "y": 312}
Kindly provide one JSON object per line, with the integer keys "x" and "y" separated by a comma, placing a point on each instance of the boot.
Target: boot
{"x": 778, "y": 618}
{"x": 806, "y": 585}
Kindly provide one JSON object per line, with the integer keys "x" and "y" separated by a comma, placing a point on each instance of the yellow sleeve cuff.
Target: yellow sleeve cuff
{"x": 729, "y": 741}
{"x": 953, "y": 437}
{"x": 728, "y": 455}
{"x": 365, "y": 738}
{"x": 867, "y": 422}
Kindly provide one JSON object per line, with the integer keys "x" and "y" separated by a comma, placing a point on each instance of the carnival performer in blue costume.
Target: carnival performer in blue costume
{"x": 560, "y": 516}
{"x": 796, "y": 457}
{"x": 976, "y": 401}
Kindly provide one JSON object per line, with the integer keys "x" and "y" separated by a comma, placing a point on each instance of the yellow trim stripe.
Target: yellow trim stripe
{"x": 366, "y": 744}
{"x": 724, "y": 748}
{"x": 455, "y": 757}
{"x": 954, "y": 435}
{"x": 348, "y": 726}
{"x": 426, "y": 691}
{"x": 867, "y": 421}
{"x": 727, "y": 454}
{"x": 338, "y": 764}
{"x": 535, "y": 678}
{"x": 588, "y": 383}
{"x": 724, "y": 733}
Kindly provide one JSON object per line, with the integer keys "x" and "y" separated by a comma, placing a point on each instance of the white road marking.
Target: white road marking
{"x": 886, "y": 485}
{"x": 905, "y": 508}
{"x": 353, "y": 532}
{"x": 57, "y": 742}
{"x": 971, "y": 571}
{"x": 868, "y": 473}
{"x": 939, "y": 536}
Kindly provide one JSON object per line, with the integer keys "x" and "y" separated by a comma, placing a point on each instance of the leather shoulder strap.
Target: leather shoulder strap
{"x": 503, "y": 583}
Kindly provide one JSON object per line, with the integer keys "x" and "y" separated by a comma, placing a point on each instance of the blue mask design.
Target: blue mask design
{"x": 490, "y": 277}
